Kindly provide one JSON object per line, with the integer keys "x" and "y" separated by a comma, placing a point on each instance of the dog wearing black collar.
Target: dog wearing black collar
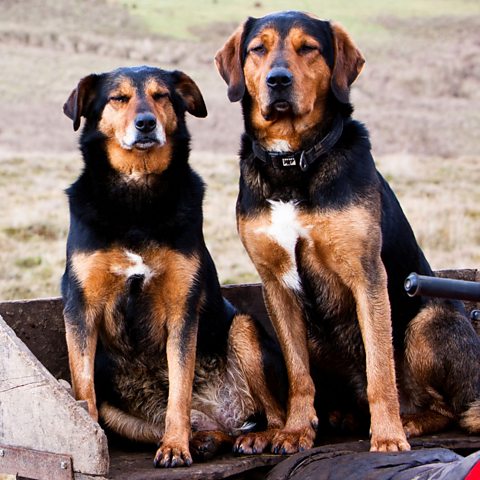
{"x": 155, "y": 351}
{"x": 333, "y": 247}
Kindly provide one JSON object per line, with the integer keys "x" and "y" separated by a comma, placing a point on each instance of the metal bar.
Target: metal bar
{"x": 442, "y": 287}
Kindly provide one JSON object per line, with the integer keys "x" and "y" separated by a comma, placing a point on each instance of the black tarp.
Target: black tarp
{"x": 425, "y": 464}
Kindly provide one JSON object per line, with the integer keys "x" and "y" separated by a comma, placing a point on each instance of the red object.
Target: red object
{"x": 474, "y": 473}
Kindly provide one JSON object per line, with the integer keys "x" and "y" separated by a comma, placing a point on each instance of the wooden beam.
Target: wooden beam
{"x": 37, "y": 413}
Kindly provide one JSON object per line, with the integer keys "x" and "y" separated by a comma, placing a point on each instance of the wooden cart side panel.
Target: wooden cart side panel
{"x": 39, "y": 325}
{"x": 36, "y": 412}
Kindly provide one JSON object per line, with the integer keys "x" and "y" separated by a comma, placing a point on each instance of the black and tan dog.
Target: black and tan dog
{"x": 332, "y": 245}
{"x": 140, "y": 279}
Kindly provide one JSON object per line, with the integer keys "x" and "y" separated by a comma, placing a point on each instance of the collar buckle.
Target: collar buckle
{"x": 303, "y": 161}
{"x": 289, "y": 161}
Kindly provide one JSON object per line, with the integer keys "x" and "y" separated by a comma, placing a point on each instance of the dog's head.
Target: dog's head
{"x": 135, "y": 109}
{"x": 289, "y": 63}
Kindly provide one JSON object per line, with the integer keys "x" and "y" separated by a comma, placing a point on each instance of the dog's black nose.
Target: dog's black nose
{"x": 279, "y": 77}
{"x": 145, "y": 122}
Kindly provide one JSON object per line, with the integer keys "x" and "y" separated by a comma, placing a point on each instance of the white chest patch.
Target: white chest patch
{"x": 134, "y": 177}
{"x": 285, "y": 228}
{"x": 136, "y": 267}
{"x": 279, "y": 146}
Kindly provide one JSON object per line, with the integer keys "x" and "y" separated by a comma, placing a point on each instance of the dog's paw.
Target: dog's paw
{"x": 286, "y": 442}
{"x": 172, "y": 455}
{"x": 412, "y": 430}
{"x": 205, "y": 444}
{"x": 254, "y": 442}
{"x": 393, "y": 443}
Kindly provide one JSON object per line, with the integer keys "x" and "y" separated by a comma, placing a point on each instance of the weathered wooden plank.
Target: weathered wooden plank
{"x": 36, "y": 412}
{"x": 35, "y": 464}
{"x": 453, "y": 440}
{"x": 139, "y": 466}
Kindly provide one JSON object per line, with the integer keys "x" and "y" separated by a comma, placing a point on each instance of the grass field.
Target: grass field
{"x": 419, "y": 96}
{"x": 168, "y": 17}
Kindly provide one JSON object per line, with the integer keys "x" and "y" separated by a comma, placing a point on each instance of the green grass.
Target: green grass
{"x": 179, "y": 19}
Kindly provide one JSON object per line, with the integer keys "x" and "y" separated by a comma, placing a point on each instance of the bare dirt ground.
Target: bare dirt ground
{"x": 419, "y": 95}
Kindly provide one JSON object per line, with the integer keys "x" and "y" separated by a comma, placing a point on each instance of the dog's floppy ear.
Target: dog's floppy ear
{"x": 348, "y": 63}
{"x": 80, "y": 99}
{"x": 190, "y": 94}
{"x": 229, "y": 64}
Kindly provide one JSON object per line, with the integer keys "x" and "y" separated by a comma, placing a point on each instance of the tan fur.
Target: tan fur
{"x": 427, "y": 422}
{"x": 470, "y": 419}
{"x": 102, "y": 278}
{"x": 418, "y": 352}
{"x": 229, "y": 65}
{"x": 81, "y": 356}
{"x": 118, "y": 116}
{"x": 348, "y": 62}
{"x": 136, "y": 165}
{"x": 311, "y": 80}
{"x": 337, "y": 243}
{"x": 130, "y": 426}
{"x": 248, "y": 351}
{"x": 287, "y": 318}
{"x": 344, "y": 238}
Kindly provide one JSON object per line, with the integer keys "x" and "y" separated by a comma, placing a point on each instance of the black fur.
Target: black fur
{"x": 345, "y": 177}
{"x": 105, "y": 210}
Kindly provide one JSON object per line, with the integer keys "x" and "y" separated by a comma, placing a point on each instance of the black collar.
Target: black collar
{"x": 301, "y": 158}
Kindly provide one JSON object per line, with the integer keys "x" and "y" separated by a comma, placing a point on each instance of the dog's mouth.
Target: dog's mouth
{"x": 281, "y": 106}
{"x": 141, "y": 143}
{"x": 145, "y": 143}
{"x": 277, "y": 109}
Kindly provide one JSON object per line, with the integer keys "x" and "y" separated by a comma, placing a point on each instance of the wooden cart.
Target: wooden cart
{"x": 46, "y": 435}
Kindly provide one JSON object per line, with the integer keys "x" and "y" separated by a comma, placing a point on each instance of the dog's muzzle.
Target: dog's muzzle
{"x": 279, "y": 82}
{"x": 144, "y": 133}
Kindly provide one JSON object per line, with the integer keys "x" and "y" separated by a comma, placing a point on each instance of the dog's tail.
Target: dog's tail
{"x": 470, "y": 419}
{"x": 128, "y": 425}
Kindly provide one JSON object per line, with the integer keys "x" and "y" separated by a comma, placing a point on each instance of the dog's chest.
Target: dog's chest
{"x": 162, "y": 275}
{"x": 111, "y": 269}
{"x": 285, "y": 226}
{"x": 292, "y": 243}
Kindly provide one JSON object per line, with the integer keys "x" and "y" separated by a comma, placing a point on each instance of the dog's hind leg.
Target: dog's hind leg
{"x": 252, "y": 357}
{"x": 470, "y": 418}
{"x": 442, "y": 369}
{"x": 425, "y": 422}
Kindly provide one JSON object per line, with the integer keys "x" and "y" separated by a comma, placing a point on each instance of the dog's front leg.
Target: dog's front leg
{"x": 276, "y": 264}
{"x": 181, "y": 345}
{"x": 287, "y": 317}
{"x": 81, "y": 336}
{"x": 373, "y": 311}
